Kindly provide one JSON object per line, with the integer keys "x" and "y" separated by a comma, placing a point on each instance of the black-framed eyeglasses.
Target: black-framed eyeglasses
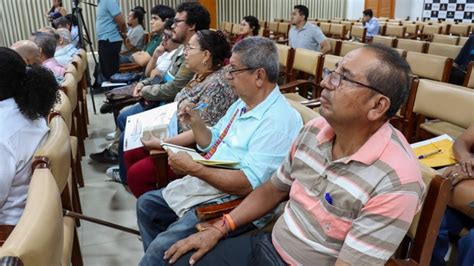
{"x": 231, "y": 70}
{"x": 176, "y": 21}
{"x": 335, "y": 79}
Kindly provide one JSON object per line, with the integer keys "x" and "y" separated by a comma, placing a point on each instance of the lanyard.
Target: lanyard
{"x": 223, "y": 134}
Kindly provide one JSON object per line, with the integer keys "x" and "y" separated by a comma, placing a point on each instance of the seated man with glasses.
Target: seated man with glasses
{"x": 256, "y": 131}
{"x": 352, "y": 181}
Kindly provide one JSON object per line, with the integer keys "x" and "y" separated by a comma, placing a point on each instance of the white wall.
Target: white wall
{"x": 403, "y": 8}
{"x": 354, "y": 9}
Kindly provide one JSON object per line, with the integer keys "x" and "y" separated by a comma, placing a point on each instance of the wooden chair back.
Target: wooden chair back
{"x": 411, "y": 45}
{"x": 447, "y": 50}
{"x": 335, "y": 46}
{"x": 359, "y": 33}
{"x": 57, "y": 149}
{"x": 64, "y": 108}
{"x": 445, "y": 39}
{"x": 286, "y": 56}
{"x": 337, "y": 31}
{"x": 460, "y": 29}
{"x": 444, "y": 101}
{"x": 347, "y": 46}
{"x": 325, "y": 27}
{"x": 395, "y": 31}
{"x": 411, "y": 30}
{"x": 388, "y": 41}
{"x": 283, "y": 29}
{"x": 69, "y": 86}
{"x": 429, "y": 66}
{"x": 38, "y": 237}
{"x": 273, "y": 26}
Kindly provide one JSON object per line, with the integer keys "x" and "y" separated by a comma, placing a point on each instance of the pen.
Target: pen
{"x": 328, "y": 198}
{"x": 429, "y": 154}
{"x": 201, "y": 106}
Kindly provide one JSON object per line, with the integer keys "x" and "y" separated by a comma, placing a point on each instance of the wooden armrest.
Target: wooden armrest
{"x": 130, "y": 67}
{"x": 5, "y": 231}
{"x": 157, "y": 153}
{"x": 291, "y": 86}
{"x": 209, "y": 212}
{"x": 398, "y": 262}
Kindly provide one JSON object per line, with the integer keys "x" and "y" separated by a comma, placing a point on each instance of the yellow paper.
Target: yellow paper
{"x": 443, "y": 158}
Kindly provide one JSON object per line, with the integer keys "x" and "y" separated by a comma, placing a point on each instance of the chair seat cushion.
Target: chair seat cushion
{"x": 441, "y": 127}
{"x": 295, "y": 97}
{"x": 73, "y": 148}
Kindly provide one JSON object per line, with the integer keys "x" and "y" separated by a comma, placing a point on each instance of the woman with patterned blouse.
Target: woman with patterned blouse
{"x": 204, "y": 55}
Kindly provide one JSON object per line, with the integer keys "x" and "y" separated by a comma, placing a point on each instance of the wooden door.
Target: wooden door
{"x": 211, "y": 6}
{"x": 381, "y": 8}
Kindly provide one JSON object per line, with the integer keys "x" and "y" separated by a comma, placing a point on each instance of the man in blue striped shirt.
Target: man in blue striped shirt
{"x": 371, "y": 24}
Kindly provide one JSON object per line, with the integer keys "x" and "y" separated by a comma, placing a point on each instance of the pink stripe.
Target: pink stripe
{"x": 283, "y": 254}
{"x": 332, "y": 225}
{"x": 406, "y": 168}
{"x": 326, "y": 132}
{"x": 388, "y": 205}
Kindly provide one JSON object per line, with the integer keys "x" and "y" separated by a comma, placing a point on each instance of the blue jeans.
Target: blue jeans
{"x": 453, "y": 222}
{"x": 160, "y": 227}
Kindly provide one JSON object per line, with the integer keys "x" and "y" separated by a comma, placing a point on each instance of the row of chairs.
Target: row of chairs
{"x": 48, "y": 237}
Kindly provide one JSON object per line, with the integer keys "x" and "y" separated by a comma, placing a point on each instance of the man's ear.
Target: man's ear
{"x": 380, "y": 105}
{"x": 260, "y": 77}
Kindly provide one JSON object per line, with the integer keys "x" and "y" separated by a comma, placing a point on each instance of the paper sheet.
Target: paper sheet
{"x": 443, "y": 158}
{"x": 157, "y": 121}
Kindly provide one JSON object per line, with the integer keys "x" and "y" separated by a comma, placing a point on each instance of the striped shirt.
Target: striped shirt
{"x": 357, "y": 208}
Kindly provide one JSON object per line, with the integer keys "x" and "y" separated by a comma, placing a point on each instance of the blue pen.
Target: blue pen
{"x": 201, "y": 106}
{"x": 423, "y": 156}
{"x": 328, "y": 198}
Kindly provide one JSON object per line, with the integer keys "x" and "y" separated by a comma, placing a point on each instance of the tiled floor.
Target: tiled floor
{"x": 105, "y": 200}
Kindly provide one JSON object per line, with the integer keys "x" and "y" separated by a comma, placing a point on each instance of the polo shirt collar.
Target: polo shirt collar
{"x": 259, "y": 111}
{"x": 8, "y": 105}
{"x": 369, "y": 152}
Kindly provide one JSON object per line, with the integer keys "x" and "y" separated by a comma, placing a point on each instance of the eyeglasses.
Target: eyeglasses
{"x": 231, "y": 71}
{"x": 335, "y": 79}
{"x": 176, "y": 21}
{"x": 188, "y": 48}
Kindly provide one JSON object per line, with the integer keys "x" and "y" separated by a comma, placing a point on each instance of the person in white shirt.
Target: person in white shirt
{"x": 27, "y": 94}
{"x": 162, "y": 57}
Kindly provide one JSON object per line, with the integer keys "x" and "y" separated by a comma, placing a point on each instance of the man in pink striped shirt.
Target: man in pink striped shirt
{"x": 352, "y": 182}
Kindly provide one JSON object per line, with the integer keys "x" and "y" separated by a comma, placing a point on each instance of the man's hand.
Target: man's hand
{"x": 137, "y": 91}
{"x": 159, "y": 51}
{"x": 457, "y": 174}
{"x": 181, "y": 163}
{"x": 151, "y": 143}
{"x": 187, "y": 115}
{"x": 202, "y": 242}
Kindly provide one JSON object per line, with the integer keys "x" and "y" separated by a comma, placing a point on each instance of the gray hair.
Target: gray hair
{"x": 258, "y": 52}
{"x": 65, "y": 35}
{"x": 45, "y": 41}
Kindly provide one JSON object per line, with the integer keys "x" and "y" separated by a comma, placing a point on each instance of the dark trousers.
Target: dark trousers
{"x": 242, "y": 250}
{"x": 109, "y": 57}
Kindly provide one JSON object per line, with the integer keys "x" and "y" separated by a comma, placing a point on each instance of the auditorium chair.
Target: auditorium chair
{"x": 327, "y": 61}
{"x": 37, "y": 239}
{"x": 348, "y": 25}
{"x": 306, "y": 64}
{"x": 469, "y": 80}
{"x": 358, "y": 33}
{"x": 430, "y": 66}
{"x": 283, "y": 29}
{"x": 388, "y": 41}
{"x": 347, "y": 46}
{"x": 337, "y": 31}
{"x": 335, "y": 46}
{"x": 445, "y": 39}
{"x": 272, "y": 27}
{"x": 82, "y": 116}
{"x": 325, "y": 27}
{"x": 411, "y": 30}
{"x": 403, "y": 118}
{"x": 429, "y": 30}
{"x": 411, "y": 45}
{"x": 446, "y": 50}
{"x": 395, "y": 31}
{"x": 462, "y": 41}
{"x": 441, "y": 108}
{"x": 57, "y": 152}
{"x": 417, "y": 246}
{"x": 286, "y": 56}
{"x": 460, "y": 29}
{"x": 85, "y": 83}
